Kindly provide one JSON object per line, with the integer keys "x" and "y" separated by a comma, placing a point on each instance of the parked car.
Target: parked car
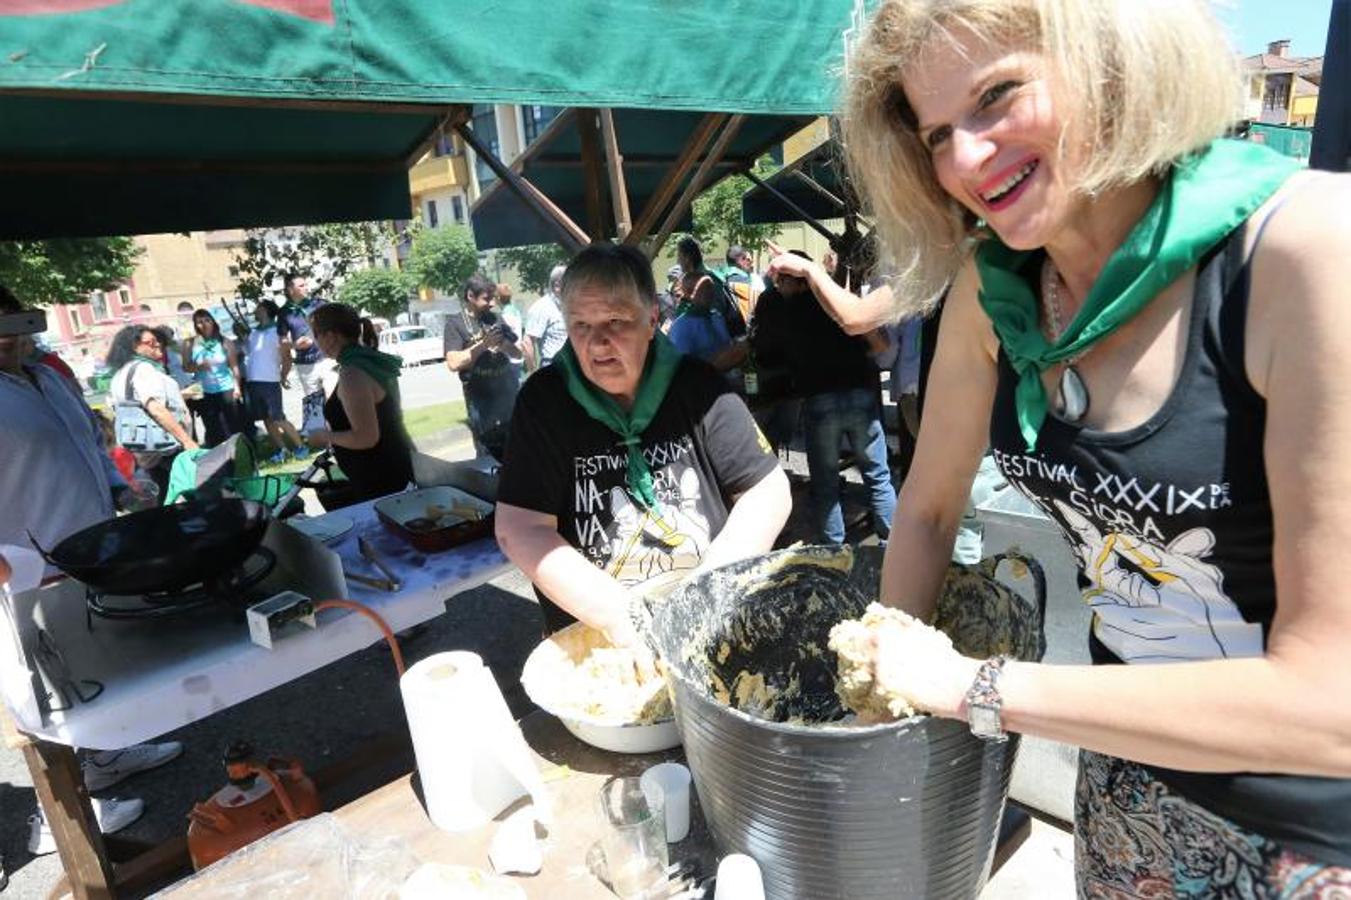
{"x": 413, "y": 343}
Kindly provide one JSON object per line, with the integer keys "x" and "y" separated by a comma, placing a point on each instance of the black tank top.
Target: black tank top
{"x": 385, "y": 468}
{"x": 1171, "y": 524}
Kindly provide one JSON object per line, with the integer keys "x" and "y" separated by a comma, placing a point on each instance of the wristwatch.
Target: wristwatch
{"x": 983, "y": 703}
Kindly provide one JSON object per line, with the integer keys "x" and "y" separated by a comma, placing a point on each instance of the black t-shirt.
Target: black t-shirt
{"x": 819, "y": 356}
{"x": 490, "y": 383}
{"x": 1173, "y": 526}
{"x": 292, "y": 325}
{"x": 703, "y": 448}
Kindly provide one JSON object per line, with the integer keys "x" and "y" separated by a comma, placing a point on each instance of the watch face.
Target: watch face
{"x": 985, "y": 721}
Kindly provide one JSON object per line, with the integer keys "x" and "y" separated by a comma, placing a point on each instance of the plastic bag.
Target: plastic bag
{"x": 313, "y": 858}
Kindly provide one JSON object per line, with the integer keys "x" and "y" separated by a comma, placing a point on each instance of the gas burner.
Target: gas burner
{"x": 227, "y": 590}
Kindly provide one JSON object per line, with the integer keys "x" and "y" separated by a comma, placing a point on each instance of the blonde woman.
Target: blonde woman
{"x": 1148, "y": 324}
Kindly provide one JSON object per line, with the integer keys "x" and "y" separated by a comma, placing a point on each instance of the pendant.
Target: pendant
{"x": 1072, "y": 398}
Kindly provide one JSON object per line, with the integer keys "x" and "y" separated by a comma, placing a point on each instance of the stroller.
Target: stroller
{"x": 231, "y": 470}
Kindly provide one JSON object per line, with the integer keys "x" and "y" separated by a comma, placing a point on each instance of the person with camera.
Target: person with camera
{"x": 485, "y": 352}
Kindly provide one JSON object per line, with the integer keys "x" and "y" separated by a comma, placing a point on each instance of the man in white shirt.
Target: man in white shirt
{"x": 267, "y": 366}
{"x": 544, "y": 324}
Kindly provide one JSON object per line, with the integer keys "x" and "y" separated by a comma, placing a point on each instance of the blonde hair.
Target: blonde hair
{"x": 1146, "y": 83}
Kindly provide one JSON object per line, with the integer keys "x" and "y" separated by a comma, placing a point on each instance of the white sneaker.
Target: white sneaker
{"x": 112, "y": 816}
{"x": 105, "y": 768}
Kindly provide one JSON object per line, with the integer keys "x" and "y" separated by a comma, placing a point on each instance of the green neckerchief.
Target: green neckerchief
{"x": 689, "y": 307}
{"x": 1204, "y": 198}
{"x": 383, "y": 367}
{"x": 658, "y": 371}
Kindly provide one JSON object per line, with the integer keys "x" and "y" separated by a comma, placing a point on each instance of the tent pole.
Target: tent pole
{"x": 619, "y": 192}
{"x": 799, "y": 211}
{"x": 689, "y": 155}
{"x": 817, "y": 187}
{"x": 572, "y": 237}
{"x": 593, "y": 180}
{"x": 696, "y": 184}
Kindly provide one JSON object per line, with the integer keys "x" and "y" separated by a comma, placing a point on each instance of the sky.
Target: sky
{"x": 1255, "y": 23}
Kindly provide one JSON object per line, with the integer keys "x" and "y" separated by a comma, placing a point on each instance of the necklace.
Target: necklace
{"x": 1071, "y": 401}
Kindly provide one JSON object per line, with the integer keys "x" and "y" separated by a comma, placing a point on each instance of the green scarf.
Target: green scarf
{"x": 658, "y": 371}
{"x": 383, "y": 367}
{"x": 1205, "y": 198}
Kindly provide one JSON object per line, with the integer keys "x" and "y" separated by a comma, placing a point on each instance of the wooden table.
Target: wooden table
{"x": 397, "y": 809}
{"x": 574, "y": 773}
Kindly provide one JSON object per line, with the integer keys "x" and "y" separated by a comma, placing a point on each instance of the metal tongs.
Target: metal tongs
{"x": 390, "y": 582}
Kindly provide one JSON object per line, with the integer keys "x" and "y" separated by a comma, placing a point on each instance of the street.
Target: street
{"x": 424, "y": 385}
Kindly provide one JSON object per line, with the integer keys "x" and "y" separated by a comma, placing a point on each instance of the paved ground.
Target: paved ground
{"x": 331, "y": 713}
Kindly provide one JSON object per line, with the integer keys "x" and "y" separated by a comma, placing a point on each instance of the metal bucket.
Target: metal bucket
{"x": 828, "y": 809}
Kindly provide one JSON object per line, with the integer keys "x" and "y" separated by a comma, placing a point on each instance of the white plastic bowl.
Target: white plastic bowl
{"x": 539, "y": 678}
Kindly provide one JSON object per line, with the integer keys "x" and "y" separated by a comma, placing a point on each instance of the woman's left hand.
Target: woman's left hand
{"x": 319, "y": 438}
{"x": 919, "y": 663}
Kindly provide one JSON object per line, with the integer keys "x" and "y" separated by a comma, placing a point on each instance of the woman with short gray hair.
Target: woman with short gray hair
{"x": 629, "y": 466}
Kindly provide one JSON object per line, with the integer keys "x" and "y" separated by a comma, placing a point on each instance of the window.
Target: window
{"x": 431, "y": 214}
{"x": 185, "y": 308}
{"x": 76, "y": 323}
{"x": 233, "y": 271}
{"x": 99, "y": 303}
{"x": 124, "y": 296}
{"x": 445, "y": 146}
{"x": 535, "y": 119}
{"x": 484, "y": 123}
{"x": 457, "y": 209}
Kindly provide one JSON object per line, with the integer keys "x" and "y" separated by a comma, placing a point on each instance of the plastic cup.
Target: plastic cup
{"x": 634, "y": 842}
{"x": 739, "y": 879}
{"x": 671, "y": 783}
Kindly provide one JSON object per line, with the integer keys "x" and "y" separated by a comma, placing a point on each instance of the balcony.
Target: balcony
{"x": 437, "y": 174}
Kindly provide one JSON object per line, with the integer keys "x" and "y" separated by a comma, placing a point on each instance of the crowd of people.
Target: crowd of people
{"x": 1140, "y": 331}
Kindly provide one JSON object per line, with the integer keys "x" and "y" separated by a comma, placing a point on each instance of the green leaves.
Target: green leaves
{"x": 379, "y": 292}
{"x": 533, "y": 264}
{"x": 442, "y": 258}
{"x": 323, "y": 254}
{"x": 717, "y": 212}
{"x": 65, "y": 270}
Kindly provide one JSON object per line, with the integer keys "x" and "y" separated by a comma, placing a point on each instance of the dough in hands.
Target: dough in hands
{"x": 854, "y": 642}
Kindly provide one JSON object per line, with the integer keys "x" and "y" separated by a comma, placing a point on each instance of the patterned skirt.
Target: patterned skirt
{"x": 1134, "y": 837}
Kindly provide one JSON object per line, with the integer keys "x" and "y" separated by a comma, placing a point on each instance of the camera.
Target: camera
{"x": 494, "y": 323}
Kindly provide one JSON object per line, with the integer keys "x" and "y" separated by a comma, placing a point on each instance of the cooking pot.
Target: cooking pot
{"x": 830, "y": 809}
{"x": 164, "y": 549}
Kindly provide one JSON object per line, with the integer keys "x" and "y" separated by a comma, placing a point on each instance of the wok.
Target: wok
{"x": 163, "y": 549}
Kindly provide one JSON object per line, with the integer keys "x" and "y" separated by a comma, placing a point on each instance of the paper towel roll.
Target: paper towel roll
{"x": 471, "y": 757}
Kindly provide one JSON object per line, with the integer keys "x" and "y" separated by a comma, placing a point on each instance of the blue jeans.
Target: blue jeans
{"x": 857, "y": 415}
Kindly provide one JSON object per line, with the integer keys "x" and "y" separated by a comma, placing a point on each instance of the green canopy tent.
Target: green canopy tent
{"x": 150, "y": 115}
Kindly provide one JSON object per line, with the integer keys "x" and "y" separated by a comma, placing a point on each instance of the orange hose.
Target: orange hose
{"x": 374, "y": 617}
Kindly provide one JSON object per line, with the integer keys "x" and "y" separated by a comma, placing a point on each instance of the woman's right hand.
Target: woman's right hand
{"x": 621, "y": 631}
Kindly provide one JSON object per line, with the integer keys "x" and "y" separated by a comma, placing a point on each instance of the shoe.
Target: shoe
{"x": 106, "y": 768}
{"x": 111, "y": 815}
{"x": 300, "y": 453}
{"x": 276, "y": 459}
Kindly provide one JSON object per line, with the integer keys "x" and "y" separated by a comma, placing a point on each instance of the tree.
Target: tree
{"x": 442, "y": 258}
{"x": 323, "y": 255}
{"x": 533, "y": 263}
{"x": 65, "y": 270}
{"x": 717, "y": 212}
{"x": 379, "y": 291}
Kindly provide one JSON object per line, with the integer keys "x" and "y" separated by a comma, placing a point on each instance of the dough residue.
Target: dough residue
{"x": 581, "y": 676}
{"x": 856, "y": 681}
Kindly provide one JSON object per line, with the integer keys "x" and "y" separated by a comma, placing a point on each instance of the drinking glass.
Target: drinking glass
{"x": 634, "y": 841}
